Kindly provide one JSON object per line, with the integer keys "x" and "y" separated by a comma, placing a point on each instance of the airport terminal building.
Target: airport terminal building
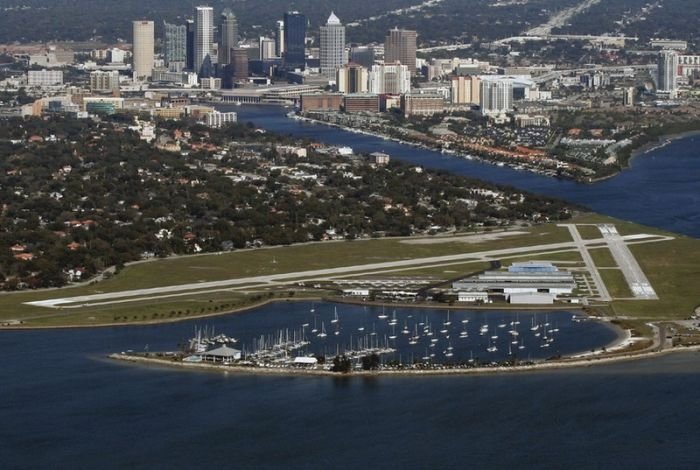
{"x": 523, "y": 283}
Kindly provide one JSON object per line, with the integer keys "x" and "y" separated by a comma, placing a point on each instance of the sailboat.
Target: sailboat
{"x": 522, "y": 344}
{"x": 335, "y": 315}
{"x": 534, "y": 326}
{"x": 393, "y": 320}
{"x": 312, "y": 308}
{"x": 322, "y": 334}
{"x": 393, "y": 332}
{"x": 405, "y": 328}
{"x": 448, "y": 322}
{"x": 382, "y": 316}
{"x": 492, "y": 348}
{"x": 315, "y": 330}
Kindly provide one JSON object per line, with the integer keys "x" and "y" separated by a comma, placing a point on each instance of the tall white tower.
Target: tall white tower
{"x": 332, "y": 47}
{"x": 144, "y": 39}
{"x": 203, "y": 41}
{"x": 668, "y": 71}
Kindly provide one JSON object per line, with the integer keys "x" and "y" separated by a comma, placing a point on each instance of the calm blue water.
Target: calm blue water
{"x": 662, "y": 189}
{"x": 62, "y": 405}
{"x": 358, "y": 324}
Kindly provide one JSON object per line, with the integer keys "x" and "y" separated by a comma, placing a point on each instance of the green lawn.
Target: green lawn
{"x": 615, "y": 282}
{"x": 589, "y": 232}
{"x": 602, "y": 258}
{"x": 673, "y": 267}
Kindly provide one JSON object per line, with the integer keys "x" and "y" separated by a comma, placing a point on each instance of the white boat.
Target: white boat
{"x": 447, "y": 322}
{"x": 383, "y": 315}
{"x": 393, "y": 320}
{"x": 335, "y": 315}
{"x": 322, "y": 334}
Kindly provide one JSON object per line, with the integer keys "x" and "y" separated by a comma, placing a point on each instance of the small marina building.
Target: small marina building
{"x": 221, "y": 354}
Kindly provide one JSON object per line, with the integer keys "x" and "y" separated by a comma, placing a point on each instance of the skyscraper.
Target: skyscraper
{"x": 175, "y": 46}
{"x": 668, "y": 71}
{"x": 400, "y": 46}
{"x": 294, "y": 40}
{"x": 466, "y": 90}
{"x": 143, "y": 49}
{"x": 189, "y": 63}
{"x": 332, "y": 47}
{"x": 228, "y": 33}
{"x": 279, "y": 39}
{"x": 203, "y": 41}
{"x": 352, "y": 78}
{"x": 496, "y": 97}
{"x": 266, "y": 48}
{"x": 389, "y": 79}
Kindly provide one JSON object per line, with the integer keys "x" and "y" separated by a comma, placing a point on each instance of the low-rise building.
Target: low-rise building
{"x": 361, "y": 103}
{"x": 41, "y": 78}
{"x": 321, "y": 102}
{"x": 424, "y": 104}
{"x": 521, "y": 278}
{"x": 219, "y": 119}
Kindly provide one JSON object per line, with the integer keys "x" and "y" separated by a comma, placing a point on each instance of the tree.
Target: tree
{"x": 371, "y": 362}
{"x": 341, "y": 364}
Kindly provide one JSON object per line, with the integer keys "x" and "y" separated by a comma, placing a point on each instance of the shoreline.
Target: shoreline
{"x": 265, "y": 302}
{"x": 567, "y": 363}
{"x": 662, "y": 141}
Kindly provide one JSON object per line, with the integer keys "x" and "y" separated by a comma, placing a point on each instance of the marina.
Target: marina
{"x": 394, "y": 339}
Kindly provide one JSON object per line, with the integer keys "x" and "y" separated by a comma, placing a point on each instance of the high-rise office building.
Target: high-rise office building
{"x": 465, "y": 90}
{"x": 294, "y": 40}
{"x": 352, "y": 78}
{"x": 239, "y": 64}
{"x": 189, "y": 62}
{"x": 668, "y": 71}
{"x": 175, "y": 46}
{"x": 400, "y": 46}
{"x": 203, "y": 41}
{"x": 144, "y": 42}
{"x": 228, "y": 36}
{"x": 267, "y": 49}
{"x": 496, "y": 97}
{"x": 332, "y": 47}
{"x": 279, "y": 38}
{"x": 389, "y": 79}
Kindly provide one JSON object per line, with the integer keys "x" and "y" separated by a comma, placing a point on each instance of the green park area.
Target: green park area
{"x": 672, "y": 266}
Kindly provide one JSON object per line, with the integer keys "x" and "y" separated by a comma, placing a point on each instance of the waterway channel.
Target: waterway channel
{"x": 661, "y": 189}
